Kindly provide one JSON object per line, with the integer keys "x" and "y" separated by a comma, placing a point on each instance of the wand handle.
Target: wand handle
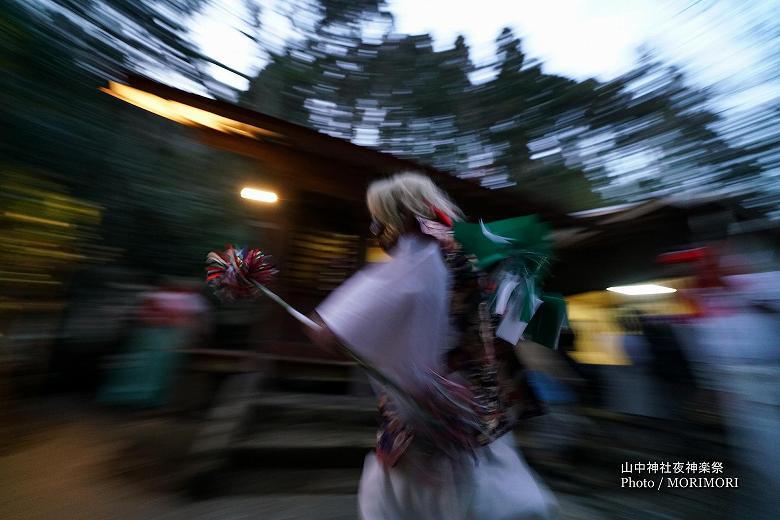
{"x": 286, "y": 306}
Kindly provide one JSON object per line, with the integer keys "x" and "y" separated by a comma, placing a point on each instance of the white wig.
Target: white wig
{"x": 393, "y": 200}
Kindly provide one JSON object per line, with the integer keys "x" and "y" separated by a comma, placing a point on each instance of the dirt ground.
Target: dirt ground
{"x": 71, "y": 462}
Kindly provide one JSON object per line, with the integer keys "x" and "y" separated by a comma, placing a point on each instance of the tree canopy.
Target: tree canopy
{"x": 576, "y": 144}
{"x": 509, "y": 124}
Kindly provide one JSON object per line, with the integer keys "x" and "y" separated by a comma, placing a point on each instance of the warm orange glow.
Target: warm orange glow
{"x": 259, "y": 195}
{"x": 182, "y": 113}
{"x": 34, "y": 220}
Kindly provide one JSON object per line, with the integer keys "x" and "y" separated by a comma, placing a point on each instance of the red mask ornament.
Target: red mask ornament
{"x": 441, "y": 216}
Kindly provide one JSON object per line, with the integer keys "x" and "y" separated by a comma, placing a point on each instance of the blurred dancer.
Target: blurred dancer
{"x": 737, "y": 355}
{"x": 400, "y": 316}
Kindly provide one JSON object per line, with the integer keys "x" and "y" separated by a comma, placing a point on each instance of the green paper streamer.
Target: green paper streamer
{"x": 518, "y": 246}
{"x": 527, "y": 241}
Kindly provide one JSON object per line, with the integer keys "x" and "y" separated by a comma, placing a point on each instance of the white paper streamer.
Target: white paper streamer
{"x": 512, "y": 327}
{"x": 492, "y": 236}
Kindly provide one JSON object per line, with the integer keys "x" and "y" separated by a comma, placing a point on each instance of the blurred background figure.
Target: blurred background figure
{"x": 651, "y": 399}
{"x": 669, "y": 364}
{"x": 171, "y": 318}
{"x": 735, "y": 343}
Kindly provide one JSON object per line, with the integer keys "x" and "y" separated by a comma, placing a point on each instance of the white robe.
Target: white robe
{"x": 396, "y": 315}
